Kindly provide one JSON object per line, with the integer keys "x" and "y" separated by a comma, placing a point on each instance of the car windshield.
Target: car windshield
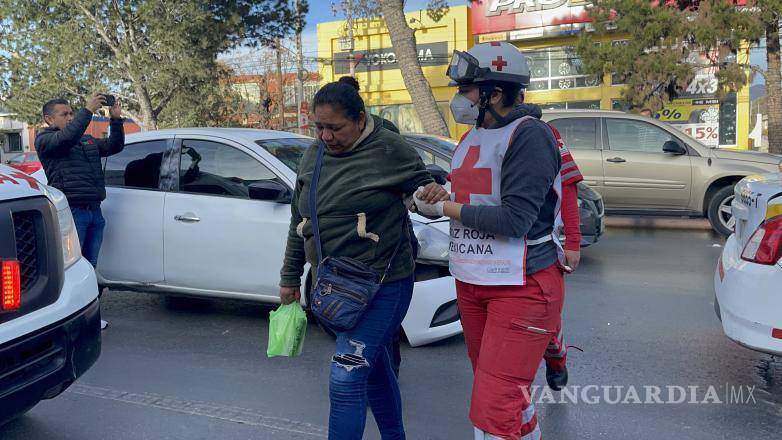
{"x": 17, "y": 159}
{"x": 287, "y": 150}
{"x": 24, "y": 158}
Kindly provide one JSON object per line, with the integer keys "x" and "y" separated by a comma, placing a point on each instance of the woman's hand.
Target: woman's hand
{"x": 289, "y": 295}
{"x": 428, "y": 209}
{"x": 432, "y": 193}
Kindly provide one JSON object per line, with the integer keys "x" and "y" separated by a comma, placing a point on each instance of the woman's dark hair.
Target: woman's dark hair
{"x": 351, "y": 81}
{"x": 342, "y": 96}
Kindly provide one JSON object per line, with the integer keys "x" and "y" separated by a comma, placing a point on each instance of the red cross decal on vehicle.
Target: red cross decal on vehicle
{"x": 499, "y": 63}
{"x": 468, "y": 180}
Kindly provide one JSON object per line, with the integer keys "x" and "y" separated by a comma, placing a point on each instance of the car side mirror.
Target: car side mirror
{"x": 439, "y": 175}
{"x": 270, "y": 191}
{"x": 674, "y": 147}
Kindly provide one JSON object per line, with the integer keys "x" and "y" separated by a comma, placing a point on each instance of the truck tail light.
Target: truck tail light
{"x": 765, "y": 245}
{"x": 10, "y": 288}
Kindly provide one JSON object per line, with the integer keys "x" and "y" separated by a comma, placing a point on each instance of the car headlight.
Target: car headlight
{"x": 71, "y": 251}
{"x": 433, "y": 244}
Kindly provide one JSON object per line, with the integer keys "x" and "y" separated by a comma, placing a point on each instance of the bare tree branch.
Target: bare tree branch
{"x": 113, "y": 45}
{"x": 165, "y": 100}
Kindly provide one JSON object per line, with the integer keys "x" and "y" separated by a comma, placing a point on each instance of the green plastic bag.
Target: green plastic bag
{"x": 287, "y": 326}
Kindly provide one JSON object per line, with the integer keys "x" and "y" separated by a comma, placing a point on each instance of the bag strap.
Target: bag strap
{"x": 313, "y": 199}
{"x": 391, "y": 260}
{"x": 313, "y": 205}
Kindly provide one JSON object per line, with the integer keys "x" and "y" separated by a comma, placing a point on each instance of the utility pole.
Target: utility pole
{"x": 280, "y": 84}
{"x": 349, "y": 22}
{"x": 299, "y": 67}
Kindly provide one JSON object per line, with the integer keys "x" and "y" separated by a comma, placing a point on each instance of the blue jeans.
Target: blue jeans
{"x": 361, "y": 370}
{"x": 89, "y": 227}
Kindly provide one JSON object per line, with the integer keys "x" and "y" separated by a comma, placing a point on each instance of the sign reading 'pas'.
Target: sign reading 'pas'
{"x": 429, "y": 54}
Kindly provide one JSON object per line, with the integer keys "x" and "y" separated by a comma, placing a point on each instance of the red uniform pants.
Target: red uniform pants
{"x": 507, "y": 330}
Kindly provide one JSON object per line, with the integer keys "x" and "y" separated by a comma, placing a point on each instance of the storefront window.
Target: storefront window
{"x": 558, "y": 68}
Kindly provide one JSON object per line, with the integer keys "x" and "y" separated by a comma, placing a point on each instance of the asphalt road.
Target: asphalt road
{"x": 640, "y": 306}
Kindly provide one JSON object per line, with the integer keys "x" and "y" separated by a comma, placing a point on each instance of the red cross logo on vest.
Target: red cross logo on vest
{"x": 499, "y": 63}
{"x": 468, "y": 180}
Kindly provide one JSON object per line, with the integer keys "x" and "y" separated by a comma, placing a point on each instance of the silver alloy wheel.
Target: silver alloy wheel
{"x": 726, "y": 214}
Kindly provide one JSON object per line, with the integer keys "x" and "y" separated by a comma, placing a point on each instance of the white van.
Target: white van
{"x": 49, "y": 311}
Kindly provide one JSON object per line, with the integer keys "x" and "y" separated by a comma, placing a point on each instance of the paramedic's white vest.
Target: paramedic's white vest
{"x": 478, "y": 257}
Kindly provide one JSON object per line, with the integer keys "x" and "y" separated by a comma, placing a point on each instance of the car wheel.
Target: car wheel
{"x": 719, "y": 213}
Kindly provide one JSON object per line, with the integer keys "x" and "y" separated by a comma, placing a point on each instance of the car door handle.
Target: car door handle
{"x": 615, "y": 160}
{"x": 186, "y": 219}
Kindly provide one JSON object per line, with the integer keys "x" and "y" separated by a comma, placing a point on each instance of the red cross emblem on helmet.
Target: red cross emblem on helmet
{"x": 499, "y": 63}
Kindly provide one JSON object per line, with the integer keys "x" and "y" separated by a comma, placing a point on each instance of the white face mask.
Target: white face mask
{"x": 463, "y": 110}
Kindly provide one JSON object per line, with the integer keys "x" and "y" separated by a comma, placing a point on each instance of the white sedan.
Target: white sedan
{"x": 748, "y": 278}
{"x": 205, "y": 212}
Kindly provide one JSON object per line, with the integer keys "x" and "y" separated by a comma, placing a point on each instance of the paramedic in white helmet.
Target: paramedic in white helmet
{"x": 504, "y": 252}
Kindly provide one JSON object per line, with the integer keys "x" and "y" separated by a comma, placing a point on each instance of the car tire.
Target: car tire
{"x": 721, "y": 220}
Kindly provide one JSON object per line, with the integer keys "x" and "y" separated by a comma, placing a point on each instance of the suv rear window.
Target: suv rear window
{"x": 577, "y": 133}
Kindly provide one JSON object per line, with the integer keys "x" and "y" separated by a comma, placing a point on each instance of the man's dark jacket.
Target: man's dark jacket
{"x": 71, "y": 159}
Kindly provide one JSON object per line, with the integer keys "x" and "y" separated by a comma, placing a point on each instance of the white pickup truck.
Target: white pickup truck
{"x": 748, "y": 277}
{"x": 49, "y": 311}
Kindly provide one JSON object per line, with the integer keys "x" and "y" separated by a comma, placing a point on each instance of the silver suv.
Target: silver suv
{"x": 643, "y": 166}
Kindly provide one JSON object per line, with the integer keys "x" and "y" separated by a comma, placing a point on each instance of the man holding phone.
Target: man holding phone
{"x": 72, "y": 162}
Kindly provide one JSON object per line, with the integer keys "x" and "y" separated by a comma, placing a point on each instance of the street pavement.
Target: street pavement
{"x": 640, "y": 306}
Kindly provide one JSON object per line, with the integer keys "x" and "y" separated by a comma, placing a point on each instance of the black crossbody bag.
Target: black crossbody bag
{"x": 344, "y": 287}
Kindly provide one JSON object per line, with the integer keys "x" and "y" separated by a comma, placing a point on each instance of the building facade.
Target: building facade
{"x": 377, "y": 67}
{"x": 546, "y": 31}
{"x": 260, "y": 96}
{"x": 15, "y": 136}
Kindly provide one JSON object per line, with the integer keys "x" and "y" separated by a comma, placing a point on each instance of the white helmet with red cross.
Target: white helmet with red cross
{"x": 496, "y": 61}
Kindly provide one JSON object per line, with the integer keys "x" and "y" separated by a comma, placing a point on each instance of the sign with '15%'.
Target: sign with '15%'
{"x": 429, "y": 54}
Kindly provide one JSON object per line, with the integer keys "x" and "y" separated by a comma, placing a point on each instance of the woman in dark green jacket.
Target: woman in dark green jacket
{"x": 366, "y": 173}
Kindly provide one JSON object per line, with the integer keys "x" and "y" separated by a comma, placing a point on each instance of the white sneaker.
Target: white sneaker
{"x": 103, "y": 324}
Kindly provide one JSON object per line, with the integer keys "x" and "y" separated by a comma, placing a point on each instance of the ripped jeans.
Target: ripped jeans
{"x": 361, "y": 369}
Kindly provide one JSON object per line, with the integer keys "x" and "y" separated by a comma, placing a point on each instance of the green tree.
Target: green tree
{"x": 654, "y": 54}
{"x": 214, "y": 102}
{"x": 150, "y": 53}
